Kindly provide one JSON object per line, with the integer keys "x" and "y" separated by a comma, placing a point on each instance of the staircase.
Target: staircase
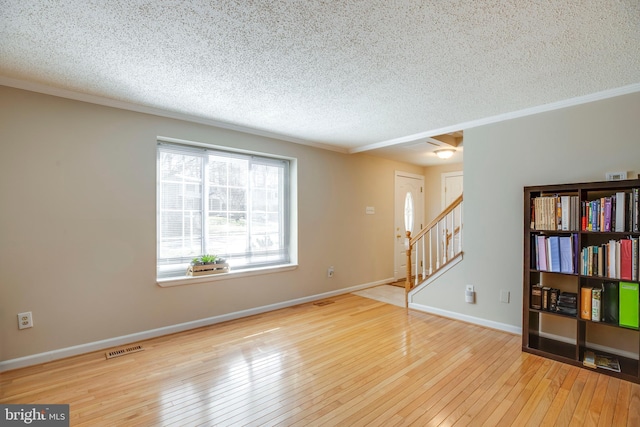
{"x": 434, "y": 248}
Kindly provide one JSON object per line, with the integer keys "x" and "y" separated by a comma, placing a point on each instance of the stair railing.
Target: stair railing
{"x": 433, "y": 247}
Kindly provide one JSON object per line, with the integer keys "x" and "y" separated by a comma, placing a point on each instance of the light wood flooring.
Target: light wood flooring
{"x": 355, "y": 361}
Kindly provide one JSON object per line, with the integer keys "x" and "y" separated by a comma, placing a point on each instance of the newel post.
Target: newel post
{"x": 407, "y": 283}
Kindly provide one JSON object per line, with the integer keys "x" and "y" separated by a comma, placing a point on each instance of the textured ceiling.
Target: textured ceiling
{"x": 349, "y": 74}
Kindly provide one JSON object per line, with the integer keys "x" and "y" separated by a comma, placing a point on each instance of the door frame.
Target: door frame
{"x": 418, "y": 220}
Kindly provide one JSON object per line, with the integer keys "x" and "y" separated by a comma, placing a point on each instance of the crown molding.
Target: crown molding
{"x": 611, "y": 93}
{"x": 124, "y": 105}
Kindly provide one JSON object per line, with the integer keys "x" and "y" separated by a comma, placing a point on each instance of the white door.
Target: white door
{"x": 451, "y": 187}
{"x": 451, "y": 190}
{"x": 414, "y": 184}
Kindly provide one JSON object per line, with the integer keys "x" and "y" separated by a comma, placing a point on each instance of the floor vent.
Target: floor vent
{"x": 321, "y": 303}
{"x": 123, "y": 351}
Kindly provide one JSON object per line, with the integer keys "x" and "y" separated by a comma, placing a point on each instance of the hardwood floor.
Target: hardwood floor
{"x": 352, "y": 362}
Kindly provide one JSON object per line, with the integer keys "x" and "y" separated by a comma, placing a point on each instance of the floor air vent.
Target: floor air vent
{"x": 123, "y": 351}
{"x": 321, "y": 303}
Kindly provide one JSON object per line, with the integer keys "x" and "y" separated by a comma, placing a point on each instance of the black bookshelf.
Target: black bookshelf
{"x": 582, "y": 214}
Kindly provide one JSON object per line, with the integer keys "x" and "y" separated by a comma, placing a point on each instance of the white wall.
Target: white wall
{"x": 78, "y": 227}
{"x": 577, "y": 144}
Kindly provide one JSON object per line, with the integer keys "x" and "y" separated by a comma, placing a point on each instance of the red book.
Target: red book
{"x": 625, "y": 259}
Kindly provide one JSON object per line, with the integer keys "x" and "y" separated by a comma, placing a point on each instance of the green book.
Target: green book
{"x": 629, "y": 304}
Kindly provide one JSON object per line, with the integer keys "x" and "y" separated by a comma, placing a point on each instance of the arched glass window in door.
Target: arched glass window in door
{"x": 408, "y": 212}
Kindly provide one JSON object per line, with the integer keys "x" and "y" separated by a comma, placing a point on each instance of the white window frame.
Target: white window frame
{"x": 290, "y": 214}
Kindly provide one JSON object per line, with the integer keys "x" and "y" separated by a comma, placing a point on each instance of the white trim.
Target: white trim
{"x": 124, "y": 105}
{"x": 188, "y": 280}
{"x": 603, "y": 348}
{"x": 624, "y": 90}
{"x": 408, "y": 175}
{"x": 48, "y": 356}
{"x": 465, "y": 318}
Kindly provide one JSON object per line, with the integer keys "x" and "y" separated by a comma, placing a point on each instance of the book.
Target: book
{"x": 553, "y": 299}
{"x": 589, "y": 359}
{"x": 628, "y": 304}
{"x": 626, "y": 265}
{"x": 596, "y": 304}
{"x": 620, "y": 211}
{"x": 536, "y": 297}
{"x": 566, "y": 212}
{"x": 546, "y": 294}
{"x": 610, "y": 298}
{"x": 607, "y": 214}
{"x": 558, "y": 213}
{"x": 636, "y": 216}
{"x": 607, "y": 362}
{"x": 593, "y": 360}
{"x": 542, "y": 253}
{"x": 585, "y": 303}
{"x": 629, "y": 215}
{"x": 566, "y": 254}
{"x": 635, "y": 249}
{"x": 554, "y": 253}
{"x": 568, "y": 303}
{"x": 611, "y": 255}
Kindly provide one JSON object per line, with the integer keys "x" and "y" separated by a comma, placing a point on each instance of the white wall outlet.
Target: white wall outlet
{"x": 330, "y": 272}
{"x": 25, "y": 320}
{"x": 504, "y": 296}
{"x": 469, "y": 294}
{"x": 370, "y": 210}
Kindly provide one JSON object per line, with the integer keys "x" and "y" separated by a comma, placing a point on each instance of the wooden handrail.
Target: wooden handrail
{"x": 437, "y": 219}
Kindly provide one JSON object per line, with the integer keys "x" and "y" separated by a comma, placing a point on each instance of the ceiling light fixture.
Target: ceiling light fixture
{"x": 445, "y": 153}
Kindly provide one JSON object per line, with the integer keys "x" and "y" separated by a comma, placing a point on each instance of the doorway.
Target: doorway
{"x": 413, "y": 184}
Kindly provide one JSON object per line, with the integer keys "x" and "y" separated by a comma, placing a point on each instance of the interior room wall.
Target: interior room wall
{"x": 78, "y": 224}
{"x": 575, "y": 144}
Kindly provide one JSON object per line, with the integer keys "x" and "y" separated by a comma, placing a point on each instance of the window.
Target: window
{"x": 230, "y": 204}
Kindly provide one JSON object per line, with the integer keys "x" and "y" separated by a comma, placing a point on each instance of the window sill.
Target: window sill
{"x": 188, "y": 280}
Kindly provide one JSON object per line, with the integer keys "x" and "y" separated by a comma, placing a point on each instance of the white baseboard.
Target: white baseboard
{"x": 465, "y": 318}
{"x": 48, "y": 356}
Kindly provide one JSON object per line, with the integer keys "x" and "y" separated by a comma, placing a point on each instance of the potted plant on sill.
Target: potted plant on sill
{"x": 207, "y": 264}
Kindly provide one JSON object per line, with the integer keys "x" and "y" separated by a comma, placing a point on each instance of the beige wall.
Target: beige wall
{"x": 577, "y": 144}
{"x": 78, "y": 229}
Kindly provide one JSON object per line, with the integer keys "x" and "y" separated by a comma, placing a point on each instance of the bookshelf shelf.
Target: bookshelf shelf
{"x": 581, "y": 259}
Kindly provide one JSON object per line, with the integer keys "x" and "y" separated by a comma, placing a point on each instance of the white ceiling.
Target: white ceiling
{"x": 346, "y": 75}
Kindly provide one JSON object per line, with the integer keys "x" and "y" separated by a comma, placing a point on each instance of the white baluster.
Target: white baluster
{"x": 453, "y": 233}
{"x": 430, "y": 254}
{"x": 417, "y": 266}
{"x": 438, "y": 245}
{"x": 424, "y": 265}
{"x": 461, "y": 222}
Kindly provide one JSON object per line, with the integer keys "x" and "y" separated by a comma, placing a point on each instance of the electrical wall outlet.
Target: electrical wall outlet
{"x": 504, "y": 296}
{"x": 469, "y": 295}
{"x": 25, "y": 320}
{"x": 330, "y": 272}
